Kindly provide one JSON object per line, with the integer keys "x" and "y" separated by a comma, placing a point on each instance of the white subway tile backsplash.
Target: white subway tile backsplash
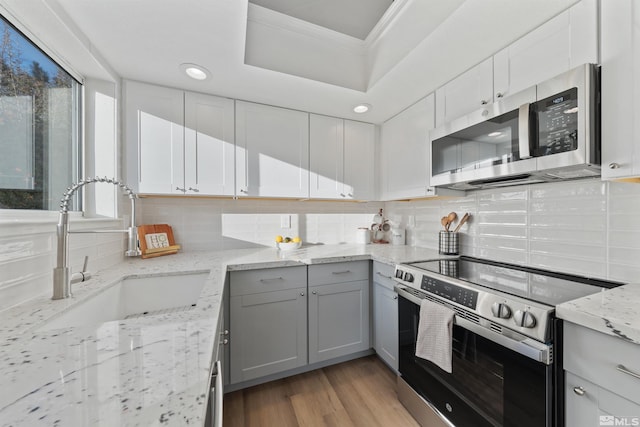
{"x": 586, "y": 227}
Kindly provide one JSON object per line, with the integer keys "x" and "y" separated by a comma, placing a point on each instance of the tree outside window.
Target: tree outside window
{"x": 39, "y": 125}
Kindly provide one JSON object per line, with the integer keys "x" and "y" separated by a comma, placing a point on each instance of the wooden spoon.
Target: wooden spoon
{"x": 464, "y": 219}
{"x": 445, "y": 223}
{"x": 451, "y": 217}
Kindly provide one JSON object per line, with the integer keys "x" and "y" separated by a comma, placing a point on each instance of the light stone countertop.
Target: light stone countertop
{"x": 613, "y": 312}
{"x": 147, "y": 371}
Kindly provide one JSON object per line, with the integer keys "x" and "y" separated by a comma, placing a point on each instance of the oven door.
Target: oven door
{"x": 490, "y": 384}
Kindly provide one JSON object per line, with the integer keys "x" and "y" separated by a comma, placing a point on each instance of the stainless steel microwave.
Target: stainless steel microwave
{"x": 548, "y": 132}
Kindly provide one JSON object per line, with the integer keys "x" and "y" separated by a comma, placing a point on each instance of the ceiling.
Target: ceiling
{"x": 355, "y": 18}
{"x": 419, "y": 45}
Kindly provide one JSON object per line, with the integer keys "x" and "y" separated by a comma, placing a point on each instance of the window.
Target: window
{"x": 39, "y": 125}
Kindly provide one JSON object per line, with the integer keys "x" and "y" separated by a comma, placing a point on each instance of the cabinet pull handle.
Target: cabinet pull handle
{"x": 384, "y": 275}
{"x": 242, "y": 190}
{"x": 181, "y": 189}
{"x": 342, "y": 194}
{"x": 499, "y": 95}
{"x": 579, "y": 391}
{"x": 314, "y": 292}
{"x": 273, "y": 279}
{"x": 224, "y": 341}
{"x": 341, "y": 272}
{"x": 225, "y": 332}
{"x": 195, "y": 190}
{"x": 483, "y": 102}
{"x": 349, "y": 194}
{"x": 395, "y": 296}
{"x": 627, "y": 371}
{"x": 614, "y": 165}
{"x": 301, "y": 294}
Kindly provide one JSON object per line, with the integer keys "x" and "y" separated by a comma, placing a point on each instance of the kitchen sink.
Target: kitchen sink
{"x": 133, "y": 297}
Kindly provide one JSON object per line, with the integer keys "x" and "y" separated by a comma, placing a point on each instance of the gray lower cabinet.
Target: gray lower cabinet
{"x": 268, "y": 322}
{"x": 338, "y": 309}
{"x": 385, "y": 314}
{"x": 602, "y": 378}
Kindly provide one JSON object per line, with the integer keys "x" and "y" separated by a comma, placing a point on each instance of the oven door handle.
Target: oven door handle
{"x": 517, "y": 342}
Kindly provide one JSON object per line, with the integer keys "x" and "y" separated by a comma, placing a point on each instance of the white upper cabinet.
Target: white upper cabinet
{"x": 620, "y": 50}
{"x": 208, "y": 145}
{"x": 341, "y": 158}
{"x": 404, "y": 154}
{"x": 467, "y": 92}
{"x": 272, "y": 151}
{"x": 326, "y": 164}
{"x": 359, "y": 156}
{"x": 177, "y": 142}
{"x": 154, "y": 132}
{"x": 562, "y": 43}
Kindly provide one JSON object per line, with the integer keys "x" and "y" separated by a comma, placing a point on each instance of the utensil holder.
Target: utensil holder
{"x": 448, "y": 243}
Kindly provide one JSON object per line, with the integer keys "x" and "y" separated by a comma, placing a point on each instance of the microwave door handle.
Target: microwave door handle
{"x": 523, "y": 132}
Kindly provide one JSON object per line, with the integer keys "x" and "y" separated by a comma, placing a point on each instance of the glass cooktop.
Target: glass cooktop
{"x": 546, "y": 287}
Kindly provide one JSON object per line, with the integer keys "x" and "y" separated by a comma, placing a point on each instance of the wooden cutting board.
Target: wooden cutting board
{"x": 151, "y": 252}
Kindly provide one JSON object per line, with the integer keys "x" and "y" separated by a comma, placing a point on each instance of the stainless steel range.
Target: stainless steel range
{"x": 506, "y": 364}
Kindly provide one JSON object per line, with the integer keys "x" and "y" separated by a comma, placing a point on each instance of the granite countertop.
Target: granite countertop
{"x": 614, "y": 312}
{"x": 137, "y": 372}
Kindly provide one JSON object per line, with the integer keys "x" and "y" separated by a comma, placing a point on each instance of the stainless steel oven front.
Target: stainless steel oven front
{"x": 497, "y": 379}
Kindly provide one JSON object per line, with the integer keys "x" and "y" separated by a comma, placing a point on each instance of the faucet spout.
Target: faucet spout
{"x": 61, "y": 273}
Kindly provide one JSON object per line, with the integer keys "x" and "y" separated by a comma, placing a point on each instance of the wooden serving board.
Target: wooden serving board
{"x": 149, "y": 252}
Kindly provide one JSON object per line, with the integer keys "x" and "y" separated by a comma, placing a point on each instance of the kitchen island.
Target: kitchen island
{"x": 151, "y": 370}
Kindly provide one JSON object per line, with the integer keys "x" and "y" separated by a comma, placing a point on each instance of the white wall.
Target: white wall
{"x": 586, "y": 227}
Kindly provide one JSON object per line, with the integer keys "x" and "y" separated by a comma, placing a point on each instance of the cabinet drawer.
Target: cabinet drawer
{"x": 266, "y": 280}
{"x": 598, "y": 358}
{"x": 338, "y": 272}
{"x": 383, "y": 274}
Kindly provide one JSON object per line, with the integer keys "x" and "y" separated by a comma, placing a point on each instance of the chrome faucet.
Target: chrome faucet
{"x": 62, "y": 279}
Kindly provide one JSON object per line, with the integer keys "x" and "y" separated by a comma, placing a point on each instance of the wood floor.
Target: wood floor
{"x": 360, "y": 392}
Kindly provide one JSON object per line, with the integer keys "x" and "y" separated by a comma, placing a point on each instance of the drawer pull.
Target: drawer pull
{"x": 579, "y": 391}
{"x": 341, "y": 272}
{"x": 624, "y": 370}
{"x": 384, "y": 275}
{"x": 274, "y": 279}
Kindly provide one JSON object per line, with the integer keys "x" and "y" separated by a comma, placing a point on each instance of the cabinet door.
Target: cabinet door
{"x": 404, "y": 153}
{"x": 209, "y": 145}
{"x": 268, "y": 333}
{"x": 338, "y": 320}
{"x": 581, "y": 401}
{"x": 359, "y": 155}
{"x": 326, "y": 147}
{"x": 564, "y": 42}
{"x": 154, "y": 138}
{"x": 466, "y": 93}
{"x": 272, "y": 151}
{"x": 385, "y": 309}
{"x": 620, "y": 52}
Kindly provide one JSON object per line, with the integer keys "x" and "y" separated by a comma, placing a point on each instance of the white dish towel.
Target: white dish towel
{"x": 435, "y": 334}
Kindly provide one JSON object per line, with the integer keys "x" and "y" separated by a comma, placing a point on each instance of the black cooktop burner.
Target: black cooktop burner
{"x": 545, "y": 287}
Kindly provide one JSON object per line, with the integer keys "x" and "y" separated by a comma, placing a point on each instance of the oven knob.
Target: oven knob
{"x": 399, "y": 274}
{"x": 408, "y": 277}
{"x": 500, "y": 310}
{"x": 524, "y": 319}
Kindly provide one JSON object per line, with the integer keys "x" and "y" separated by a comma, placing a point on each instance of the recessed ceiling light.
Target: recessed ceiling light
{"x": 195, "y": 71}
{"x": 496, "y": 134}
{"x": 361, "y": 108}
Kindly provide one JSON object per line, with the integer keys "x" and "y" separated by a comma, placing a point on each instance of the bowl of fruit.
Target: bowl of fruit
{"x": 288, "y": 243}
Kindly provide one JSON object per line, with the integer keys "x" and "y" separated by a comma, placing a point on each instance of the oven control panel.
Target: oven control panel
{"x": 457, "y": 294}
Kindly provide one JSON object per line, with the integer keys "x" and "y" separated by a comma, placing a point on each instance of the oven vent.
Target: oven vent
{"x": 495, "y": 327}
